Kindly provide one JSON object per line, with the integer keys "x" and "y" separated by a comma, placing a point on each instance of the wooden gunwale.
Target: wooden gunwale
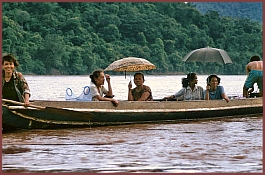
{"x": 153, "y": 105}
{"x": 104, "y": 113}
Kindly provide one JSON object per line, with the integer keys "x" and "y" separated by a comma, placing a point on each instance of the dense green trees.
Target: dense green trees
{"x": 251, "y": 10}
{"x": 77, "y": 38}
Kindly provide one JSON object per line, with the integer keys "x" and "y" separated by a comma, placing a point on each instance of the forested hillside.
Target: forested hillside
{"x": 77, "y": 38}
{"x": 251, "y": 10}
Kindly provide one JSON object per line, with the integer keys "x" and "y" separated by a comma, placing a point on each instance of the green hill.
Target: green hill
{"x": 250, "y": 10}
{"x": 79, "y": 37}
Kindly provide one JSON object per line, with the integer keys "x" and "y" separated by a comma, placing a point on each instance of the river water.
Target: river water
{"x": 210, "y": 145}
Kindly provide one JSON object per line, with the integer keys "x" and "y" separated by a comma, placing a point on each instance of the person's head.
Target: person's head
{"x": 98, "y": 77}
{"x": 192, "y": 77}
{"x": 213, "y": 80}
{"x": 185, "y": 82}
{"x": 9, "y": 63}
{"x": 254, "y": 58}
{"x": 138, "y": 79}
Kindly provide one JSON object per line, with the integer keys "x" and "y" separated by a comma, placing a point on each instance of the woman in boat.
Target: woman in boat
{"x": 190, "y": 90}
{"x": 97, "y": 88}
{"x": 141, "y": 92}
{"x": 14, "y": 85}
{"x": 213, "y": 90}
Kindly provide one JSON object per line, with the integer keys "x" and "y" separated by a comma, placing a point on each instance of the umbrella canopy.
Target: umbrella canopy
{"x": 208, "y": 54}
{"x": 130, "y": 64}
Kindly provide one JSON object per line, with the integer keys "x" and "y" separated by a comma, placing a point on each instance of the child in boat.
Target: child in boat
{"x": 213, "y": 90}
{"x": 190, "y": 90}
{"x": 141, "y": 92}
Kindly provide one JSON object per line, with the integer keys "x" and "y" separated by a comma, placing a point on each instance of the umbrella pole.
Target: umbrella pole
{"x": 125, "y": 74}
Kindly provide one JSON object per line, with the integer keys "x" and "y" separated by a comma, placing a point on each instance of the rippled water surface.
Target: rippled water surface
{"x": 210, "y": 145}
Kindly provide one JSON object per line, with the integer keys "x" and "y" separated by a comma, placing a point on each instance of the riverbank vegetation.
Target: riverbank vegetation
{"x": 77, "y": 38}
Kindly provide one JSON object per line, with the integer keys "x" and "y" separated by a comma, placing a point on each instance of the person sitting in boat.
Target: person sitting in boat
{"x": 190, "y": 90}
{"x": 97, "y": 88}
{"x": 254, "y": 69}
{"x": 141, "y": 92}
{"x": 213, "y": 90}
{"x": 14, "y": 85}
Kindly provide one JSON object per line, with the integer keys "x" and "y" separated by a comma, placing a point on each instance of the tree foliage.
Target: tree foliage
{"x": 79, "y": 37}
{"x": 250, "y": 10}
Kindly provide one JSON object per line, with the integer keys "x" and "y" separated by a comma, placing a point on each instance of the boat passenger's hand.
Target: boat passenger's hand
{"x": 169, "y": 97}
{"x": 107, "y": 78}
{"x": 227, "y": 99}
{"x": 165, "y": 98}
{"x": 208, "y": 87}
{"x": 26, "y": 104}
{"x": 115, "y": 102}
{"x": 130, "y": 85}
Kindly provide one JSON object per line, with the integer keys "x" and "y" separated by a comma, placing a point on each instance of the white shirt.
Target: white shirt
{"x": 188, "y": 94}
{"x": 94, "y": 91}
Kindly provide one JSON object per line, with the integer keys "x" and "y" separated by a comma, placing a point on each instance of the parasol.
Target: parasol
{"x": 208, "y": 54}
{"x": 130, "y": 64}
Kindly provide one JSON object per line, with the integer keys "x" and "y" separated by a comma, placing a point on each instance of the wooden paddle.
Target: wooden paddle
{"x": 54, "y": 110}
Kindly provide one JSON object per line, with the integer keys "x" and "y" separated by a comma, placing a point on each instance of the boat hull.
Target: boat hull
{"x": 104, "y": 113}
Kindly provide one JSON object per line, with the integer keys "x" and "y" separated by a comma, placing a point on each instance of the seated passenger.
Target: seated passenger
{"x": 141, "y": 92}
{"x": 190, "y": 90}
{"x": 14, "y": 84}
{"x": 213, "y": 90}
{"x": 97, "y": 89}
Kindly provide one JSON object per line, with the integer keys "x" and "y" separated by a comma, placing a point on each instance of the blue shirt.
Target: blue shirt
{"x": 216, "y": 94}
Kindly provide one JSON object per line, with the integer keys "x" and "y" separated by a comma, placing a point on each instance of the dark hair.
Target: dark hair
{"x": 185, "y": 82}
{"x": 254, "y": 58}
{"x": 95, "y": 75}
{"x": 139, "y": 73}
{"x": 213, "y": 76}
{"x": 191, "y": 76}
{"x": 10, "y": 58}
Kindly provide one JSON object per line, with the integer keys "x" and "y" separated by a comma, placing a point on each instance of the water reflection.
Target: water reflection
{"x": 219, "y": 145}
{"x": 209, "y": 145}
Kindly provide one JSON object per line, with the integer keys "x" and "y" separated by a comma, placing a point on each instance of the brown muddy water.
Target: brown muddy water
{"x": 219, "y": 145}
{"x": 230, "y": 145}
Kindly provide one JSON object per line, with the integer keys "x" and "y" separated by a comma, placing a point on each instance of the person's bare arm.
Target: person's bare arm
{"x": 225, "y": 97}
{"x": 168, "y": 97}
{"x": 207, "y": 97}
{"x": 130, "y": 96}
{"x": 115, "y": 102}
{"x": 109, "y": 93}
{"x": 26, "y": 100}
{"x": 248, "y": 69}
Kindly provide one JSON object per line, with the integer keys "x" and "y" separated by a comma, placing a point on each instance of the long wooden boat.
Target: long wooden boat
{"x": 62, "y": 114}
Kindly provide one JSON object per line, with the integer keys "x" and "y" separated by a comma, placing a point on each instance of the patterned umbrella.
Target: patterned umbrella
{"x": 130, "y": 64}
{"x": 208, "y": 54}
